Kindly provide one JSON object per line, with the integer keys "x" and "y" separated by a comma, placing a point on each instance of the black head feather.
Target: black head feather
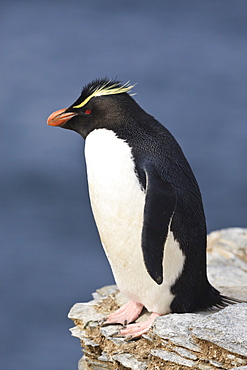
{"x": 101, "y": 87}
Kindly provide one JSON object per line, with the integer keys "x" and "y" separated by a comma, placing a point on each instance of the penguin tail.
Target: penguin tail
{"x": 216, "y": 300}
{"x": 226, "y": 301}
{"x": 209, "y": 299}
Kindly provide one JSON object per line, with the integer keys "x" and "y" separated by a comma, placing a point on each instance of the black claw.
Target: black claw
{"x": 102, "y": 322}
{"x": 115, "y": 334}
{"x": 128, "y": 338}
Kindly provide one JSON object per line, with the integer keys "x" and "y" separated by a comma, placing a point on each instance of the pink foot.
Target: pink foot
{"x": 136, "y": 330}
{"x": 127, "y": 313}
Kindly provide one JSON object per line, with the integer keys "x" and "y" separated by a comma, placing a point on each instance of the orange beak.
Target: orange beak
{"x": 59, "y": 118}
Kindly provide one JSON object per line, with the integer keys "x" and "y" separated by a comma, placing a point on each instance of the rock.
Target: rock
{"x": 230, "y": 325}
{"x": 169, "y": 356}
{"x": 227, "y": 261}
{"x": 204, "y": 340}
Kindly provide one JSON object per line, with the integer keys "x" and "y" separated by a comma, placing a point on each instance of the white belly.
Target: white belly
{"x": 118, "y": 203}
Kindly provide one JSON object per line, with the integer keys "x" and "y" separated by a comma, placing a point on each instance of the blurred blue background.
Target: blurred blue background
{"x": 189, "y": 60}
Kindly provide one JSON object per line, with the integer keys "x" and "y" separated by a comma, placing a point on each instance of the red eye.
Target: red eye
{"x": 88, "y": 111}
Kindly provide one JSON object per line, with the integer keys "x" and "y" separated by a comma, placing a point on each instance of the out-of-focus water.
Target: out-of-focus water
{"x": 189, "y": 60}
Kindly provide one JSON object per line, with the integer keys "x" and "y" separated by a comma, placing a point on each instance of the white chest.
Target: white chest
{"x": 116, "y": 197}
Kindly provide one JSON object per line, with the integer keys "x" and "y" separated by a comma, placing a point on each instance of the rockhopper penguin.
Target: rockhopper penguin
{"x": 146, "y": 203}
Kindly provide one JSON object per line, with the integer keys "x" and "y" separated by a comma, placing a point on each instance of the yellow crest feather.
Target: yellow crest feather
{"x": 107, "y": 89}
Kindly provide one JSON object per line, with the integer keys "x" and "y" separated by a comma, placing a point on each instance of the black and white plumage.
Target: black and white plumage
{"x": 146, "y": 203}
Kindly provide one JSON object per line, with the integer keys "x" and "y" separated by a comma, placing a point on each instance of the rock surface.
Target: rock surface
{"x": 203, "y": 340}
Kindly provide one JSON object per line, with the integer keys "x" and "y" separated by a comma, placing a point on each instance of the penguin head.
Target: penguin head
{"x": 102, "y": 104}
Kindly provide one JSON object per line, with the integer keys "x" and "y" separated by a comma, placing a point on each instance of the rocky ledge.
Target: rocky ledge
{"x": 204, "y": 340}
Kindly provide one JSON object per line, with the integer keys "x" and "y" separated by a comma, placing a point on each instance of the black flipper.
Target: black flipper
{"x": 160, "y": 204}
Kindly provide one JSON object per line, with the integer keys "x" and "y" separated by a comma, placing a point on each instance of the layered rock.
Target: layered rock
{"x": 204, "y": 340}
